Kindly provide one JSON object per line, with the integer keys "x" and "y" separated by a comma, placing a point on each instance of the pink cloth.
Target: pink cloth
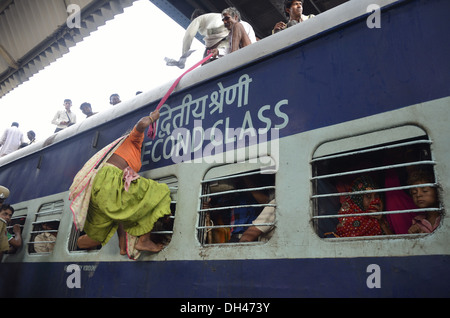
{"x": 424, "y": 224}
{"x": 129, "y": 175}
{"x": 398, "y": 200}
{"x": 151, "y": 133}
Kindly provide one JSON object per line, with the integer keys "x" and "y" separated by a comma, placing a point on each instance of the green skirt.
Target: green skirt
{"x": 137, "y": 210}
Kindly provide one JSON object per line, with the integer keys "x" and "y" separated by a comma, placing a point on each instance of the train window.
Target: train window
{"x": 162, "y": 231}
{"x": 370, "y": 187}
{"x": 45, "y": 228}
{"x": 236, "y": 198}
{"x": 17, "y": 220}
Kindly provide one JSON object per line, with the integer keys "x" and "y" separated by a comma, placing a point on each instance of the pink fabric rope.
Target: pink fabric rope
{"x": 152, "y": 129}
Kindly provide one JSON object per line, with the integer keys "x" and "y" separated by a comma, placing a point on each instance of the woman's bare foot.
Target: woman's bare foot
{"x": 145, "y": 244}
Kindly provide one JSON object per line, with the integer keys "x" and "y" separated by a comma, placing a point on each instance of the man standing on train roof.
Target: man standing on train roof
{"x": 64, "y": 118}
{"x": 11, "y": 139}
{"x": 294, "y": 12}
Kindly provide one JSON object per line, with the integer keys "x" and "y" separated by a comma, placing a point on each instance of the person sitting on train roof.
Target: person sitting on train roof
{"x": 114, "y": 99}
{"x": 64, "y": 118}
{"x": 261, "y": 233}
{"x": 294, "y": 12}
{"x": 424, "y": 197}
{"x": 31, "y": 137}
{"x": 241, "y": 33}
{"x": 350, "y": 226}
{"x": 86, "y": 109}
{"x": 119, "y": 195}
{"x": 8, "y": 242}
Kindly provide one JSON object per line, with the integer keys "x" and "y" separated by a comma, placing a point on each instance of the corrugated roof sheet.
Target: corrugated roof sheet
{"x": 34, "y": 34}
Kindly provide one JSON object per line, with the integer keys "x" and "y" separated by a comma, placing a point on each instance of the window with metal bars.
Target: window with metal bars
{"x": 232, "y": 201}
{"x": 368, "y": 189}
{"x": 45, "y": 228}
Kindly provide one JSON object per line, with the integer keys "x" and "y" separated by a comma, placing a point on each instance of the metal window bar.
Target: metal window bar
{"x": 45, "y": 221}
{"x": 338, "y": 194}
{"x": 235, "y": 225}
{"x": 236, "y": 176}
{"x": 236, "y": 191}
{"x": 42, "y": 242}
{"x": 376, "y": 213}
{"x": 340, "y": 174}
{"x": 357, "y": 152}
{"x": 11, "y": 226}
{"x": 44, "y": 231}
{"x": 236, "y": 206}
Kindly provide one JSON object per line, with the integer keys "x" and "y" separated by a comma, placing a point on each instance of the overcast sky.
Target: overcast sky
{"x": 123, "y": 56}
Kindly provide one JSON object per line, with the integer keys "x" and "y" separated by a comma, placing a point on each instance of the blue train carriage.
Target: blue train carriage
{"x": 298, "y": 113}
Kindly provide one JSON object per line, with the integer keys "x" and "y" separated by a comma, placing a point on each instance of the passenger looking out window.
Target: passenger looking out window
{"x": 362, "y": 225}
{"x": 234, "y": 205}
{"x": 424, "y": 197}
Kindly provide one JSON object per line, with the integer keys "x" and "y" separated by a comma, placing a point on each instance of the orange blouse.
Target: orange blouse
{"x": 130, "y": 149}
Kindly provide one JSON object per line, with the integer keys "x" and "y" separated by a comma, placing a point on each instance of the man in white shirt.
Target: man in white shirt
{"x": 210, "y": 26}
{"x": 11, "y": 139}
{"x": 64, "y": 118}
{"x": 259, "y": 232}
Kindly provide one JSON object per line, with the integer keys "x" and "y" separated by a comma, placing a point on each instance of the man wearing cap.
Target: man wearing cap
{"x": 4, "y": 193}
{"x": 8, "y": 242}
{"x": 11, "y": 139}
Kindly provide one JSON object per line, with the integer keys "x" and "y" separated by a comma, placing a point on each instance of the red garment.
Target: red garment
{"x": 351, "y": 226}
{"x": 398, "y": 200}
